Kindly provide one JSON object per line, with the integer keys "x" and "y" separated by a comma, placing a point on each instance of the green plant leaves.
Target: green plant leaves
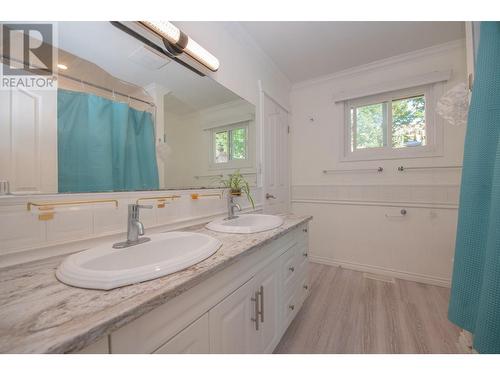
{"x": 236, "y": 182}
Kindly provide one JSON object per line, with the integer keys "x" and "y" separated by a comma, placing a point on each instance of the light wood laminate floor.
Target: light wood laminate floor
{"x": 348, "y": 313}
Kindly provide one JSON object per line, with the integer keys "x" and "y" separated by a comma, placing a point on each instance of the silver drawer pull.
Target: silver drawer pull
{"x": 291, "y": 307}
{"x": 256, "y": 319}
{"x": 304, "y": 230}
{"x": 304, "y": 254}
{"x": 262, "y": 303}
{"x": 292, "y": 268}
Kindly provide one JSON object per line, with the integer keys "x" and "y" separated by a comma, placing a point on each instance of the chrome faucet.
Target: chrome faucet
{"x": 134, "y": 228}
{"x": 231, "y": 206}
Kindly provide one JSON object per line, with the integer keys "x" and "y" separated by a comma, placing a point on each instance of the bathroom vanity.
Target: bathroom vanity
{"x": 233, "y": 288}
{"x": 239, "y": 300}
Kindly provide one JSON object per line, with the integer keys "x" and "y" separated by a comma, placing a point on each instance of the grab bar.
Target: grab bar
{"x": 196, "y": 196}
{"x": 210, "y": 175}
{"x": 402, "y": 169}
{"x": 378, "y": 169}
{"x": 48, "y": 207}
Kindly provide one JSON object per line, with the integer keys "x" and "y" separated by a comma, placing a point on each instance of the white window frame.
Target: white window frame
{"x": 231, "y": 163}
{"x": 434, "y": 142}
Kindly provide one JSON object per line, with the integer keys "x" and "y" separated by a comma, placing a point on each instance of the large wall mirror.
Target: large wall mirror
{"x": 124, "y": 117}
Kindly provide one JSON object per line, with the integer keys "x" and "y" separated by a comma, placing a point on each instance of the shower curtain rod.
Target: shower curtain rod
{"x": 105, "y": 89}
{"x": 6, "y": 59}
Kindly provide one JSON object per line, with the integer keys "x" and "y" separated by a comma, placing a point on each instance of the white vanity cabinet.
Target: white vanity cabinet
{"x": 247, "y": 321}
{"x": 231, "y": 322}
{"x": 270, "y": 329}
{"x": 244, "y": 308}
{"x": 193, "y": 339}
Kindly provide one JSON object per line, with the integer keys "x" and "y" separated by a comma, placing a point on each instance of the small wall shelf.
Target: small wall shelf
{"x": 160, "y": 201}
{"x": 196, "y": 196}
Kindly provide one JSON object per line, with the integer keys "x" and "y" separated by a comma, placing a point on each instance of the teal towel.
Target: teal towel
{"x": 104, "y": 145}
{"x": 475, "y": 292}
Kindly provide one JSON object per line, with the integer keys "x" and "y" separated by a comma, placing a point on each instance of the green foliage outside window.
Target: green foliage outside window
{"x": 407, "y": 128}
{"x": 231, "y": 145}
{"x": 221, "y": 147}
{"x": 370, "y": 126}
{"x": 408, "y": 122}
{"x": 239, "y": 143}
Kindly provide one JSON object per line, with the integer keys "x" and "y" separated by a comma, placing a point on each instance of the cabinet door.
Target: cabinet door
{"x": 232, "y": 322}
{"x": 191, "y": 340}
{"x": 268, "y": 283}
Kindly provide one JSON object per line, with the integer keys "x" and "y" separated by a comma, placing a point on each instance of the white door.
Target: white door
{"x": 276, "y": 176}
{"x": 28, "y": 140}
{"x": 268, "y": 284}
{"x": 193, "y": 339}
{"x": 233, "y": 329}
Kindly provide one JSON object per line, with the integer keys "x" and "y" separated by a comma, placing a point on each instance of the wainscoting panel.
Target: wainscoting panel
{"x": 364, "y": 229}
{"x": 23, "y": 237}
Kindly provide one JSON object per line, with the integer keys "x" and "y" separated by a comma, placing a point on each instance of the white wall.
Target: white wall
{"x": 242, "y": 62}
{"x": 350, "y": 226}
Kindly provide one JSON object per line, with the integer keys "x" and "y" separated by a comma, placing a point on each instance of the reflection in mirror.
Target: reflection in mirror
{"x": 206, "y": 138}
{"x": 123, "y": 117}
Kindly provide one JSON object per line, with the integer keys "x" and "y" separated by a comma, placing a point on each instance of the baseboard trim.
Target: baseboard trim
{"x": 410, "y": 276}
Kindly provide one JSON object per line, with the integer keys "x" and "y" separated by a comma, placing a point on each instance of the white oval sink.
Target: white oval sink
{"x": 250, "y": 223}
{"x": 104, "y": 267}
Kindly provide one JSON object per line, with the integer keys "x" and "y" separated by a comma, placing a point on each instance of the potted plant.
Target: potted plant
{"x": 236, "y": 185}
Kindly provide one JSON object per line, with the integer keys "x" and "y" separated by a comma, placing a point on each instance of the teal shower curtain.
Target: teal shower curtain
{"x": 475, "y": 292}
{"x": 104, "y": 145}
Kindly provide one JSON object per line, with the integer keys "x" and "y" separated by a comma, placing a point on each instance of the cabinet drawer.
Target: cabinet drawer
{"x": 291, "y": 305}
{"x": 304, "y": 287}
{"x": 289, "y": 268}
{"x": 302, "y": 233}
{"x": 301, "y": 252}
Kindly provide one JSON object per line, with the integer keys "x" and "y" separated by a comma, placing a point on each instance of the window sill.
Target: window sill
{"x": 230, "y": 165}
{"x": 403, "y": 153}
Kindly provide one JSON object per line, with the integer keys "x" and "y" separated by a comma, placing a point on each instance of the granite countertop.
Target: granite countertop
{"x": 39, "y": 314}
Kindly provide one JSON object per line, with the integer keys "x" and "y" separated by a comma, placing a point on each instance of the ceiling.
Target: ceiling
{"x": 128, "y": 60}
{"x": 306, "y": 50}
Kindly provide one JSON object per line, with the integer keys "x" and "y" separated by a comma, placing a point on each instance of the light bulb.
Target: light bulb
{"x": 173, "y": 35}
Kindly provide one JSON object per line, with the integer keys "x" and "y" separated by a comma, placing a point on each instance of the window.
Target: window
{"x": 392, "y": 125}
{"x": 230, "y": 145}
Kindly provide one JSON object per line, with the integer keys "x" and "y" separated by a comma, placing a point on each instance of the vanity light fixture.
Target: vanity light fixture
{"x": 181, "y": 42}
{"x": 62, "y": 66}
